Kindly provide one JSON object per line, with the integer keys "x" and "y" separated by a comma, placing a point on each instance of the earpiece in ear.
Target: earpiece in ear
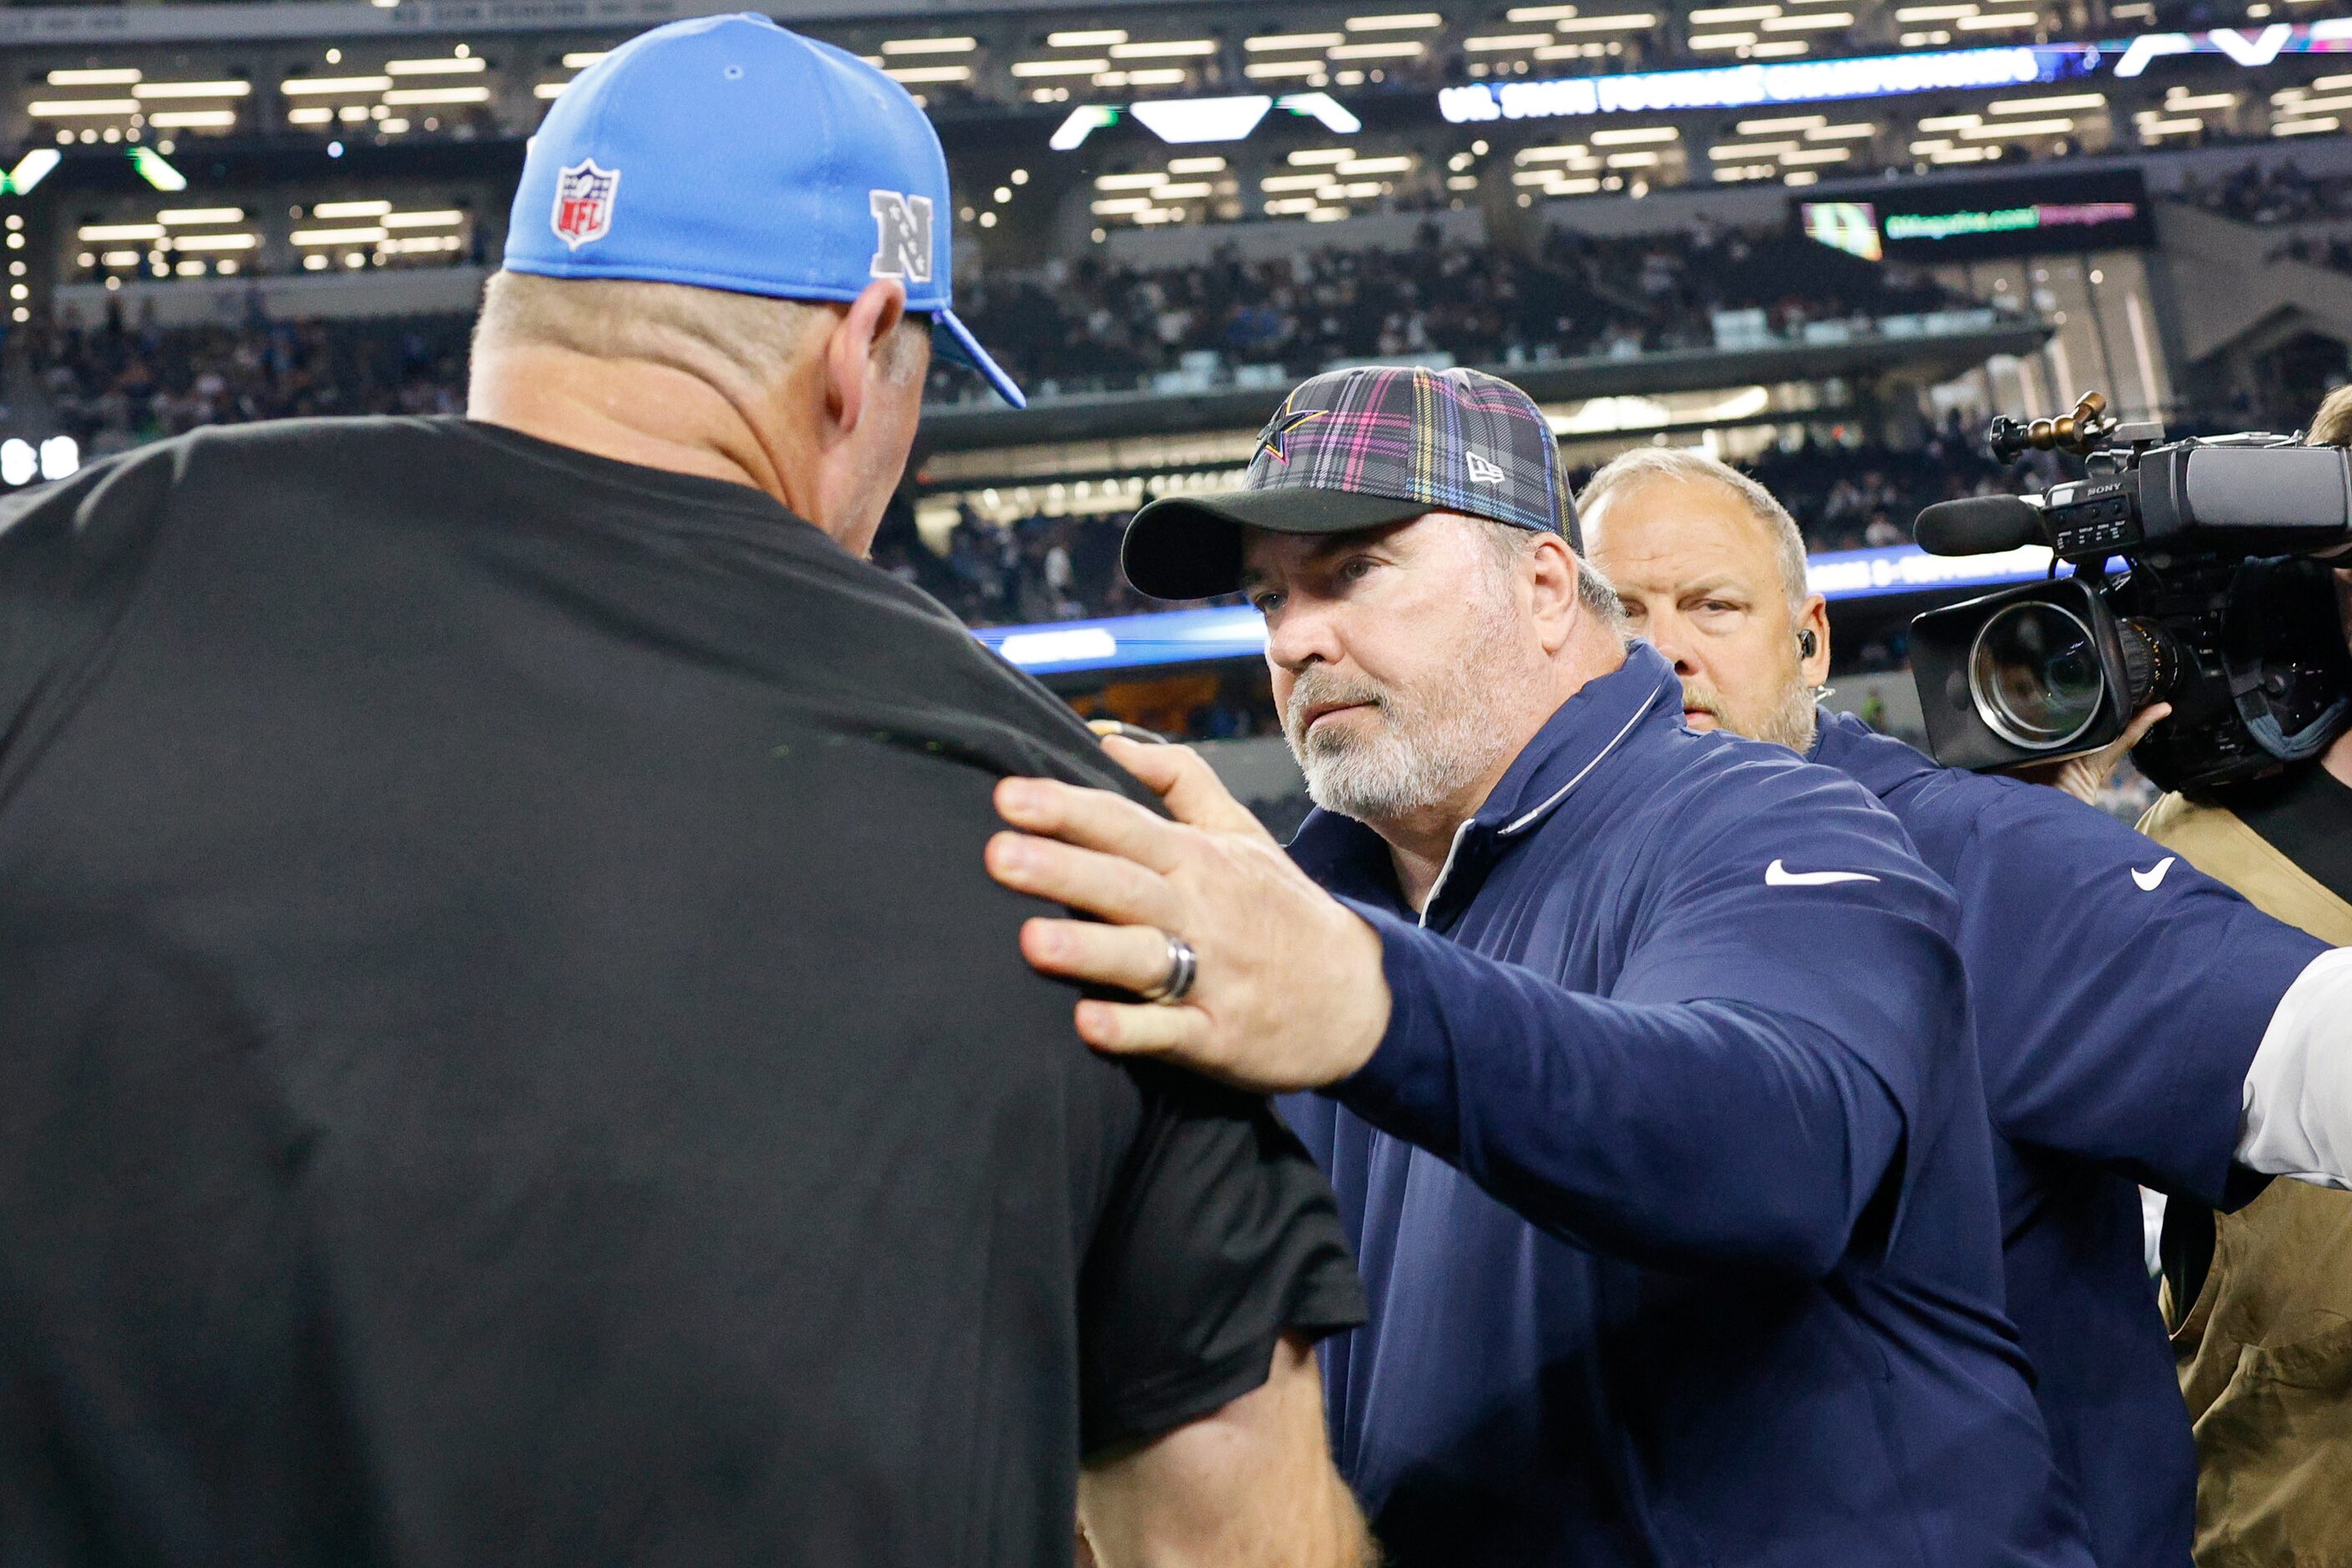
{"x": 1805, "y": 643}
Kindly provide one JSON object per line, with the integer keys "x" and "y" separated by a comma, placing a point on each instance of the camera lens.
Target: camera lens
{"x": 2035, "y": 676}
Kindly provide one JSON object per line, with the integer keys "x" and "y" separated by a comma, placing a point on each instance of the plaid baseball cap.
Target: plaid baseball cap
{"x": 1362, "y": 449}
{"x": 727, "y": 153}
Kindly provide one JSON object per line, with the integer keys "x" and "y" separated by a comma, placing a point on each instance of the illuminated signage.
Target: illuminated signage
{"x": 2249, "y": 47}
{"x": 1873, "y": 76}
{"x": 1753, "y": 86}
{"x": 1237, "y": 631}
{"x": 1193, "y": 120}
{"x": 2098, "y": 209}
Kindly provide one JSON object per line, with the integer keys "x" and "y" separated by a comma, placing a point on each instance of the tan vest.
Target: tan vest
{"x": 2266, "y": 1351}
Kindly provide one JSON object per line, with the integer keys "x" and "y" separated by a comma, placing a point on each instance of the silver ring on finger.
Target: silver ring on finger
{"x": 1184, "y": 968}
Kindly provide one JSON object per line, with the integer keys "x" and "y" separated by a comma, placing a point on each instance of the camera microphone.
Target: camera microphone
{"x": 1979, "y": 525}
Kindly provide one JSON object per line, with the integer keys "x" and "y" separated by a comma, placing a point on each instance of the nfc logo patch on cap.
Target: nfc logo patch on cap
{"x": 902, "y": 236}
{"x": 584, "y": 202}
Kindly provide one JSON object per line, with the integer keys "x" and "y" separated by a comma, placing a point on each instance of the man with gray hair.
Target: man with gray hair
{"x": 2137, "y": 1021}
{"x": 1737, "y": 560}
{"x": 1641, "y": 1057}
{"x": 508, "y": 1051}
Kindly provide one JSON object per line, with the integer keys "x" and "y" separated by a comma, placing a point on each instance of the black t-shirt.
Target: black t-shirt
{"x": 508, "y": 1051}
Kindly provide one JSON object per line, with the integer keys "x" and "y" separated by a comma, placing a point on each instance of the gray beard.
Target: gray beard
{"x": 1429, "y": 745}
{"x": 1795, "y": 725}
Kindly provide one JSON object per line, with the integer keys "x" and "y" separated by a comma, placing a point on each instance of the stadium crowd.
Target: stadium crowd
{"x": 1096, "y": 326}
{"x": 113, "y": 385}
{"x": 1045, "y": 568}
{"x": 1066, "y": 327}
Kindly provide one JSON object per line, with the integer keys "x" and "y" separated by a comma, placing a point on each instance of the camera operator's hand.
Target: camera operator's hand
{"x": 1290, "y": 993}
{"x": 2084, "y": 776}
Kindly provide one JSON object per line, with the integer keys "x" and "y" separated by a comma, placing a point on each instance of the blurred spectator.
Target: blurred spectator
{"x": 114, "y": 386}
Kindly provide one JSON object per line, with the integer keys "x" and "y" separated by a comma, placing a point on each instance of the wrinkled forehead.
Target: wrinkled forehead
{"x": 1678, "y": 529}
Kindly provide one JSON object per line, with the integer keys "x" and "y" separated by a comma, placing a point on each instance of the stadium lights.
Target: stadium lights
{"x": 151, "y": 89}
{"x": 930, "y": 45}
{"x": 412, "y": 95}
{"x": 156, "y": 170}
{"x": 1180, "y": 121}
{"x": 1189, "y": 120}
{"x": 2047, "y": 105}
{"x": 1173, "y": 48}
{"x": 1322, "y": 107}
{"x": 1629, "y": 22}
{"x": 76, "y": 108}
{"x": 308, "y": 86}
{"x": 1083, "y": 121}
{"x": 189, "y": 218}
{"x": 112, "y": 77}
{"x": 447, "y": 65}
{"x": 30, "y": 170}
{"x": 1267, "y": 43}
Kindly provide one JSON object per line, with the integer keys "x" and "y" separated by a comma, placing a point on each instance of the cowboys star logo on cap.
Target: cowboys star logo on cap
{"x": 1279, "y": 430}
{"x": 584, "y": 202}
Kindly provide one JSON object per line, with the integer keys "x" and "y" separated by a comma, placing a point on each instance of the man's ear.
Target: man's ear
{"x": 859, "y": 346}
{"x": 1553, "y": 569}
{"x": 1813, "y": 623}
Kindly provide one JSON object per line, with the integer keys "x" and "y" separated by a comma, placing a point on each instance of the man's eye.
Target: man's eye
{"x": 1356, "y": 569}
{"x": 1265, "y": 602}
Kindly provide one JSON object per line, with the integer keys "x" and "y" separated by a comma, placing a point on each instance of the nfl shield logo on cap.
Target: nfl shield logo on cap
{"x": 584, "y": 202}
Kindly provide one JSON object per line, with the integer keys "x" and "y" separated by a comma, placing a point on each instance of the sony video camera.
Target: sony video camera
{"x": 2219, "y": 609}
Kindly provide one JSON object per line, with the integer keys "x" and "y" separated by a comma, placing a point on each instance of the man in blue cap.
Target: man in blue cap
{"x": 508, "y": 1051}
{"x": 1644, "y": 1058}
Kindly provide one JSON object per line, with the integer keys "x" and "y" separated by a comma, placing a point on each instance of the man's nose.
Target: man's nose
{"x": 1668, "y": 638}
{"x": 1296, "y": 636}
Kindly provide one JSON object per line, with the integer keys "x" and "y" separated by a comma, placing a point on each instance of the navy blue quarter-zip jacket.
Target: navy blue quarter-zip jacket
{"x": 2119, "y": 994}
{"x": 1671, "y": 1181}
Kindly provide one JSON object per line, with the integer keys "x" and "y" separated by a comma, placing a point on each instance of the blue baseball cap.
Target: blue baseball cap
{"x": 727, "y": 153}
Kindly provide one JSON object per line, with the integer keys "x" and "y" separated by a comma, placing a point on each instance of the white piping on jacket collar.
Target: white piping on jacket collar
{"x": 1562, "y": 792}
{"x": 1463, "y": 831}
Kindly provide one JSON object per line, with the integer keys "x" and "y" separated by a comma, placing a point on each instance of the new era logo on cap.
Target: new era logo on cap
{"x": 1483, "y": 471}
{"x": 759, "y": 162}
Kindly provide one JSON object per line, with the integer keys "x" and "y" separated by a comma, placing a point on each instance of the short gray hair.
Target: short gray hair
{"x": 1633, "y": 468}
{"x": 710, "y": 333}
{"x": 1593, "y": 590}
